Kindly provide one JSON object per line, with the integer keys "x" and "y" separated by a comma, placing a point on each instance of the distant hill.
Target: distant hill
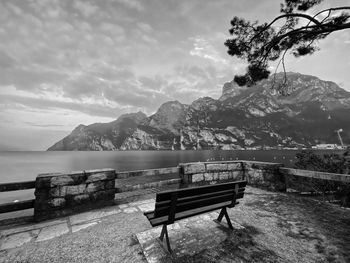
{"x": 242, "y": 117}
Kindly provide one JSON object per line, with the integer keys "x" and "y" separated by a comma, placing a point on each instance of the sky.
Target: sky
{"x": 70, "y": 62}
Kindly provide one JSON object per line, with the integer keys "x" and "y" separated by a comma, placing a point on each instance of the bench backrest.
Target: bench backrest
{"x": 170, "y": 203}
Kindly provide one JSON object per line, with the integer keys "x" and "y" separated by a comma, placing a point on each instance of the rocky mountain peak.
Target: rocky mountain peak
{"x": 137, "y": 117}
{"x": 231, "y": 89}
{"x": 204, "y": 103}
{"x": 79, "y": 128}
{"x": 169, "y": 116}
{"x": 243, "y": 117}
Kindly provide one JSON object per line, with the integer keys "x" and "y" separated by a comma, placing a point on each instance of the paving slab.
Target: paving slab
{"x": 93, "y": 215}
{"x": 25, "y": 228}
{"x": 147, "y": 201}
{"x": 16, "y": 240}
{"x": 130, "y": 210}
{"x": 146, "y": 207}
{"x": 52, "y": 231}
{"x": 77, "y": 228}
{"x": 187, "y": 237}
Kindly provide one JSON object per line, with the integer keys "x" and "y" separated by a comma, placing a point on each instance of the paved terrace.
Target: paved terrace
{"x": 269, "y": 227}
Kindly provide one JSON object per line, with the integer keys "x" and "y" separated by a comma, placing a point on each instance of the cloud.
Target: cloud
{"x": 203, "y": 48}
{"x": 92, "y": 109}
{"x": 92, "y": 60}
{"x": 85, "y": 8}
{"x": 132, "y": 4}
{"x": 145, "y": 27}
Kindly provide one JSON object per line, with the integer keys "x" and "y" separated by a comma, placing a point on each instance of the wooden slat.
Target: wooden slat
{"x": 10, "y": 207}
{"x": 166, "y": 195}
{"x": 163, "y": 220}
{"x": 166, "y": 203}
{"x": 17, "y": 186}
{"x": 195, "y": 204}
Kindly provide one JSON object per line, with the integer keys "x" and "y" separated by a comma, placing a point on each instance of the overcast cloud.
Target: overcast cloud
{"x": 66, "y": 62}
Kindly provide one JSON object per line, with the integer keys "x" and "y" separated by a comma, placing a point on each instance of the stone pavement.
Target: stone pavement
{"x": 16, "y": 237}
{"x": 278, "y": 227}
{"x": 187, "y": 237}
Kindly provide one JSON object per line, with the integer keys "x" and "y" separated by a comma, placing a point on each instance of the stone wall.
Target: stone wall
{"x": 265, "y": 175}
{"x": 210, "y": 172}
{"x": 148, "y": 172}
{"x": 260, "y": 174}
{"x": 60, "y": 194}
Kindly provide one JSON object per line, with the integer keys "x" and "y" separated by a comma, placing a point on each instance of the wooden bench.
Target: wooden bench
{"x": 178, "y": 204}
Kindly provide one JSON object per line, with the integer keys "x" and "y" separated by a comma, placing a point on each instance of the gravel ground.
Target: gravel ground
{"x": 283, "y": 228}
{"x": 278, "y": 228}
{"x": 110, "y": 241}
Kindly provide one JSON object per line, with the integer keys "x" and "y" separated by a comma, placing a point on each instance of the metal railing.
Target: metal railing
{"x": 20, "y": 205}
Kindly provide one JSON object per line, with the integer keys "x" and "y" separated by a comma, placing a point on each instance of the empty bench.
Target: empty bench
{"x": 178, "y": 204}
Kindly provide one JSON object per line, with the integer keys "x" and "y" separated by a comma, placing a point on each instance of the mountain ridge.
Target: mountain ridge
{"x": 243, "y": 117}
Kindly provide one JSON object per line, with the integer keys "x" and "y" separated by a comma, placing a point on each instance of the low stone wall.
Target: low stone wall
{"x": 265, "y": 175}
{"x": 210, "y": 172}
{"x": 61, "y": 194}
{"x": 260, "y": 174}
{"x": 148, "y": 172}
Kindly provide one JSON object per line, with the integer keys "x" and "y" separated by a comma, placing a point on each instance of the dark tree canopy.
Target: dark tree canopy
{"x": 295, "y": 30}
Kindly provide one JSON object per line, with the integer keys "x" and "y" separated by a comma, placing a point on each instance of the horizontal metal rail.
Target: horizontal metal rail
{"x": 343, "y": 178}
{"x": 15, "y": 206}
{"x": 15, "y": 186}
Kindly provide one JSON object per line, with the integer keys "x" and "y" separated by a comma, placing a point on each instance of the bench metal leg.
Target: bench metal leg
{"x": 165, "y": 233}
{"x": 223, "y": 213}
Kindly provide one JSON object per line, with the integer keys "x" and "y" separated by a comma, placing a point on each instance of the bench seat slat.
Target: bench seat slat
{"x": 228, "y": 197}
{"x": 166, "y": 195}
{"x": 163, "y": 220}
{"x": 163, "y": 204}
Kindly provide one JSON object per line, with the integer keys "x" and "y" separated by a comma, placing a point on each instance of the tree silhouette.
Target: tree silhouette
{"x": 294, "y": 30}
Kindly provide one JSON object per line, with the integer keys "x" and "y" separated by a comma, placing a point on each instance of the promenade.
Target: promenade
{"x": 269, "y": 227}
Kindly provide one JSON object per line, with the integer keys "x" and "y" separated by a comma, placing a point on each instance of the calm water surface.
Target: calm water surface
{"x": 23, "y": 166}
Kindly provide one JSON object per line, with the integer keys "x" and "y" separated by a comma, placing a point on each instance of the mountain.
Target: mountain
{"x": 308, "y": 113}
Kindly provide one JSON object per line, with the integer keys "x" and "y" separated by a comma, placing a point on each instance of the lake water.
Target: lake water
{"x": 24, "y": 166}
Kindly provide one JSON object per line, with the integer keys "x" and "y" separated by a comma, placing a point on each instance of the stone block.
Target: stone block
{"x": 197, "y": 178}
{"x": 256, "y": 177}
{"x": 194, "y": 168}
{"x": 57, "y": 202}
{"x": 59, "y": 191}
{"x": 215, "y": 167}
{"x": 234, "y": 166}
{"x": 108, "y": 175}
{"x": 216, "y": 177}
{"x": 236, "y": 175}
{"x": 208, "y": 176}
{"x": 80, "y": 199}
{"x": 223, "y": 175}
{"x": 74, "y": 189}
{"x": 110, "y": 185}
{"x": 102, "y": 195}
{"x": 95, "y": 187}
{"x": 61, "y": 180}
